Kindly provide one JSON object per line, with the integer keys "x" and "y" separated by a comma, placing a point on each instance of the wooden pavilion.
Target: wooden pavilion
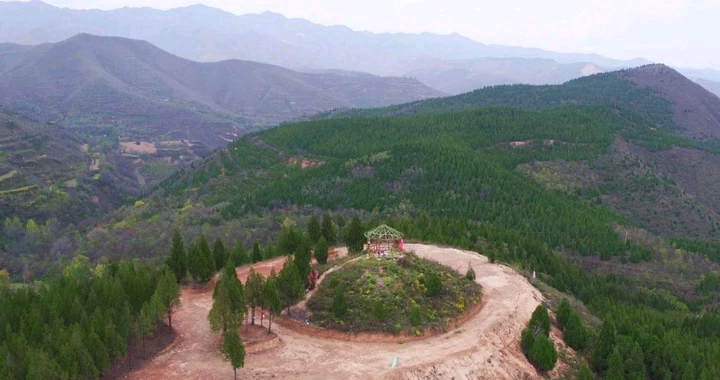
{"x": 384, "y": 240}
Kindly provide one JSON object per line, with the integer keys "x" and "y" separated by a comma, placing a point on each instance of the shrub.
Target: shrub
{"x": 470, "y": 274}
{"x": 379, "y": 309}
{"x": 543, "y": 353}
{"x": 339, "y": 305}
{"x": 434, "y": 285}
{"x": 526, "y": 340}
{"x": 415, "y": 315}
{"x": 540, "y": 320}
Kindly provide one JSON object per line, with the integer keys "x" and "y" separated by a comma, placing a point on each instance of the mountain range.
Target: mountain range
{"x": 450, "y": 63}
{"x": 146, "y": 92}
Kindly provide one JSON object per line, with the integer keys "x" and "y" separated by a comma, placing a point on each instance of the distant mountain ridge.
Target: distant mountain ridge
{"x": 122, "y": 81}
{"x": 202, "y": 33}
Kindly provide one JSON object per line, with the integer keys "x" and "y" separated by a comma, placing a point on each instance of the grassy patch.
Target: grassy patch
{"x": 18, "y": 190}
{"x": 8, "y": 175}
{"x": 393, "y": 296}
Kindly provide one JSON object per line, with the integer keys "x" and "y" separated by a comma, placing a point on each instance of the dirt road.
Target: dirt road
{"x": 485, "y": 347}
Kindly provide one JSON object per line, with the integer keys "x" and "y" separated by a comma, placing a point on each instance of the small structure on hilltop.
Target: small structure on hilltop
{"x": 384, "y": 240}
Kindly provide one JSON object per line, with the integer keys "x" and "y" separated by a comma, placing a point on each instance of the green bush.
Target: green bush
{"x": 540, "y": 320}
{"x": 415, "y": 315}
{"x": 543, "y": 353}
{"x": 434, "y": 285}
{"x": 470, "y": 274}
{"x": 339, "y": 305}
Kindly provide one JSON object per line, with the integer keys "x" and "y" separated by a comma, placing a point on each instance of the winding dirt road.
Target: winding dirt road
{"x": 485, "y": 347}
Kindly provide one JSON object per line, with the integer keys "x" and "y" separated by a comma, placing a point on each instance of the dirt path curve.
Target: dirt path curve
{"x": 485, "y": 347}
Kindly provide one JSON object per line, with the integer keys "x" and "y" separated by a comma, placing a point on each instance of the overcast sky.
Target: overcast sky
{"x": 678, "y": 32}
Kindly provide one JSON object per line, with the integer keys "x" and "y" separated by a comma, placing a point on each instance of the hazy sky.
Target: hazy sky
{"x": 677, "y": 32}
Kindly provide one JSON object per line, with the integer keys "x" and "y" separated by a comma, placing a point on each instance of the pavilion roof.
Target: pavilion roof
{"x": 383, "y": 232}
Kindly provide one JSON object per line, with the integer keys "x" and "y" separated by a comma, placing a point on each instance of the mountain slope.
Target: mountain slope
{"x": 455, "y": 77}
{"x": 658, "y": 93}
{"x": 150, "y": 92}
{"x": 202, "y": 33}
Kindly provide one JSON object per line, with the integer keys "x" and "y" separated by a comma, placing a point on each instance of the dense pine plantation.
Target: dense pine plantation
{"x": 451, "y": 178}
{"x": 78, "y": 325}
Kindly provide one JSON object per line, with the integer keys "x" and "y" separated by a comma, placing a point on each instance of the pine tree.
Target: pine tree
{"x": 290, "y": 285}
{"x": 253, "y": 291}
{"x": 233, "y": 350}
{"x": 313, "y": 229}
{"x": 228, "y": 307}
{"x": 340, "y": 221}
{"x": 635, "y": 363}
{"x": 575, "y": 334}
{"x": 196, "y": 265}
{"x": 355, "y": 236}
{"x": 169, "y": 292}
{"x": 256, "y": 253}
{"x": 271, "y": 297}
{"x": 303, "y": 254}
{"x": 220, "y": 256}
{"x": 321, "y": 250}
{"x": 328, "y": 229}
{"x": 178, "y": 259}
{"x": 615, "y": 368}
{"x": 563, "y": 312}
{"x": 239, "y": 255}
{"x": 584, "y": 373}
{"x": 207, "y": 268}
{"x": 540, "y": 321}
{"x": 603, "y": 346}
{"x": 543, "y": 353}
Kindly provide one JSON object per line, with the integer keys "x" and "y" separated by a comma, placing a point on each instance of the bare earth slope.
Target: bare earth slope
{"x": 485, "y": 347}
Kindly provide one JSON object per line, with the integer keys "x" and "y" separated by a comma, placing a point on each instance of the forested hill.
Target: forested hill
{"x": 656, "y": 92}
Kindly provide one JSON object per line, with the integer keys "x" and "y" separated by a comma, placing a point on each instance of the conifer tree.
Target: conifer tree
{"x": 328, "y": 229}
{"x": 314, "y": 230}
{"x": 178, "y": 259}
{"x": 603, "y": 346}
{"x": 256, "y": 253}
{"x": 206, "y": 262}
{"x": 543, "y": 353}
{"x": 290, "y": 285}
{"x": 239, "y": 255}
{"x": 355, "y": 236}
{"x": 615, "y": 369}
{"x": 253, "y": 291}
{"x": 575, "y": 334}
{"x": 303, "y": 254}
{"x": 233, "y": 350}
{"x": 321, "y": 250}
{"x": 563, "y": 312}
{"x": 169, "y": 292}
{"x": 228, "y": 307}
{"x": 220, "y": 256}
{"x": 271, "y": 297}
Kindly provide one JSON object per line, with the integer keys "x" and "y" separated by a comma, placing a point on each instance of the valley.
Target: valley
{"x": 162, "y": 185}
